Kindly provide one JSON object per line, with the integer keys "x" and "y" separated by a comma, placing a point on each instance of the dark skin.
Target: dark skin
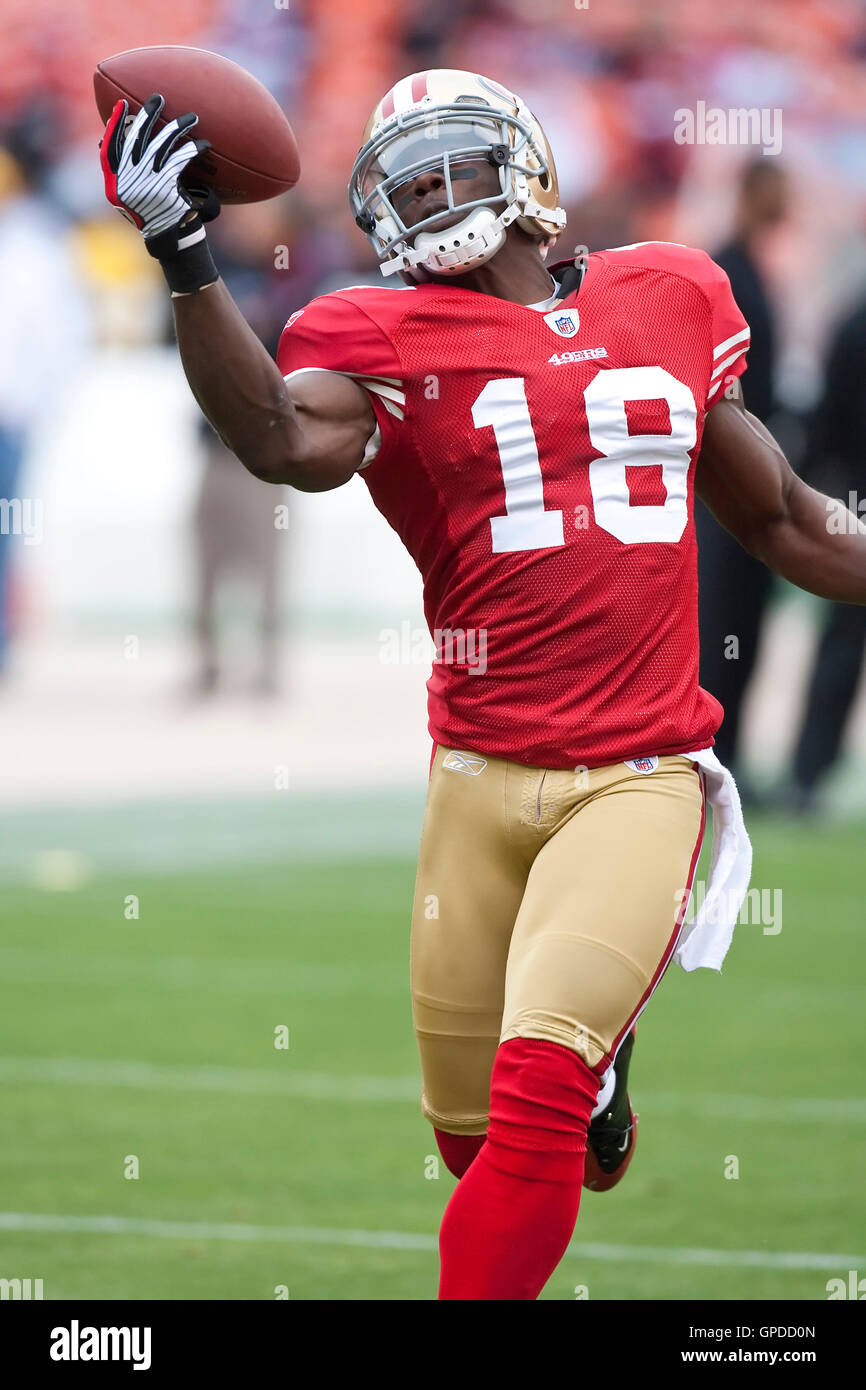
{"x": 312, "y": 431}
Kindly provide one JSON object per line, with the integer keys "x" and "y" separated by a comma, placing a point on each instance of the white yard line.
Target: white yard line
{"x": 310, "y": 979}
{"x": 325, "y": 1086}
{"x": 74, "y": 1071}
{"x": 404, "y": 1240}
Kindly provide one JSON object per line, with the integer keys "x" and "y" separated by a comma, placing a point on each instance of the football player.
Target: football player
{"x": 535, "y": 431}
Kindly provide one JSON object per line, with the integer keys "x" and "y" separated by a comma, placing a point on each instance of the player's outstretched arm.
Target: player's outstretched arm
{"x": 312, "y": 435}
{"x": 749, "y": 486}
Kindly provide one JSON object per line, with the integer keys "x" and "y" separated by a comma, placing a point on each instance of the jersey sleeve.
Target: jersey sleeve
{"x": 335, "y": 334}
{"x": 730, "y": 330}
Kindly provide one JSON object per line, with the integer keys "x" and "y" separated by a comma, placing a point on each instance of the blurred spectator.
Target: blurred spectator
{"x": 837, "y": 462}
{"x": 235, "y": 537}
{"x": 43, "y": 326}
{"x": 234, "y": 528}
{"x": 733, "y": 587}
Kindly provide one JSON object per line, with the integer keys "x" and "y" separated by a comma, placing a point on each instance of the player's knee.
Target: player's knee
{"x": 549, "y": 1025}
{"x": 458, "y": 1150}
{"x": 456, "y": 1075}
{"x": 541, "y": 1098}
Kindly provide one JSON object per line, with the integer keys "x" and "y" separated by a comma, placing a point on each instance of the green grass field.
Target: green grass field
{"x": 307, "y": 1167}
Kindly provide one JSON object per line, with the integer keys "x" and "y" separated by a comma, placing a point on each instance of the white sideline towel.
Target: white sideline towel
{"x": 705, "y": 940}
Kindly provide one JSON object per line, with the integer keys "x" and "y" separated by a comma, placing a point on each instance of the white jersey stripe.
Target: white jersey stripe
{"x": 394, "y": 401}
{"x": 386, "y": 380}
{"x": 729, "y": 342}
{"x": 371, "y": 383}
{"x": 734, "y": 356}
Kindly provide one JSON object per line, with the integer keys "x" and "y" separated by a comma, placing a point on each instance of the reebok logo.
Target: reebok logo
{"x": 469, "y": 763}
{"x": 562, "y": 359}
{"x": 76, "y": 1343}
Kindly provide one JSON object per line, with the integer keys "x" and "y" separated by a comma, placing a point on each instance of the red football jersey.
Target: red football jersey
{"x": 539, "y": 468}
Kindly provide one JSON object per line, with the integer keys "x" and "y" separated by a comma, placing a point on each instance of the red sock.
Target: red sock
{"x": 512, "y": 1215}
{"x": 458, "y": 1150}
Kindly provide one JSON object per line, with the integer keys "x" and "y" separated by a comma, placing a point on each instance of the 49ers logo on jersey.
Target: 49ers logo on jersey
{"x": 565, "y": 322}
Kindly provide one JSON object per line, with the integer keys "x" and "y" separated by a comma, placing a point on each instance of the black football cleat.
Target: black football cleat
{"x": 612, "y": 1135}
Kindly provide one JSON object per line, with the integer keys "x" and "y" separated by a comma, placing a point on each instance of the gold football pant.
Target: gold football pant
{"x": 547, "y": 905}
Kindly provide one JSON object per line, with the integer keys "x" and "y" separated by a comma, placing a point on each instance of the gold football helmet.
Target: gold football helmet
{"x": 435, "y": 120}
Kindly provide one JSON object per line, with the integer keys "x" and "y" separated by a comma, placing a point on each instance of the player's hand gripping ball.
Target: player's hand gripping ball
{"x": 142, "y": 169}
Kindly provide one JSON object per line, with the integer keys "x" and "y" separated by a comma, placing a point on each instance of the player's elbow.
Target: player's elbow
{"x": 303, "y": 474}
{"x": 271, "y": 461}
{"x": 267, "y": 470}
{"x": 320, "y": 478}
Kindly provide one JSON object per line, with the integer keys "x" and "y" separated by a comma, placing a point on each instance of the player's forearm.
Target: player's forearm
{"x": 748, "y": 484}
{"x": 817, "y": 544}
{"x": 238, "y": 385}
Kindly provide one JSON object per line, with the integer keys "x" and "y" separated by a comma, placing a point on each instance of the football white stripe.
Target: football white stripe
{"x": 424, "y": 1242}
{"x": 729, "y": 342}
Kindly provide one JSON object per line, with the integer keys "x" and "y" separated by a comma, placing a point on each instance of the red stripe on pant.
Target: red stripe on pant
{"x": 607, "y": 1060}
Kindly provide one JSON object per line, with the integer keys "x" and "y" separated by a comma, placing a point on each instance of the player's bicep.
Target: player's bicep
{"x": 338, "y": 423}
{"x": 742, "y": 474}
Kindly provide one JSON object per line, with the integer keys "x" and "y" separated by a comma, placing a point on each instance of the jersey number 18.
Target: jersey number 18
{"x": 502, "y": 406}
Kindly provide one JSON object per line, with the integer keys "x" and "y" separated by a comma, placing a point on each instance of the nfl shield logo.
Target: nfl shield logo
{"x": 565, "y": 322}
{"x": 644, "y": 765}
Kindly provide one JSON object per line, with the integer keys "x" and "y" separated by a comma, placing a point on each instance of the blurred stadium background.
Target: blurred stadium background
{"x": 207, "y": 827}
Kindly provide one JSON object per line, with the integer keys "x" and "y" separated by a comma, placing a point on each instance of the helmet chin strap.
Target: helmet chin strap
{"x": 454, "y": 250}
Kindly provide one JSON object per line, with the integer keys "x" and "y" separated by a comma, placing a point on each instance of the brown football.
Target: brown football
{"x": 253, "y": 154}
